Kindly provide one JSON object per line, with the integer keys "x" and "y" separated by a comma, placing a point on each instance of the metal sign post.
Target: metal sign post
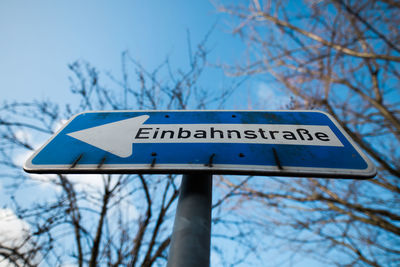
{"x": 191, "y": 237}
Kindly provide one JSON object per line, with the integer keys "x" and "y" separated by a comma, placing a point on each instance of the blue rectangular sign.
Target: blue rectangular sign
{"x": 279, "y": 143}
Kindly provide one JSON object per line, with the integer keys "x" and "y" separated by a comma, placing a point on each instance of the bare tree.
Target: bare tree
{"x": 96, "y": 220}
{"x": 343, "y": 57}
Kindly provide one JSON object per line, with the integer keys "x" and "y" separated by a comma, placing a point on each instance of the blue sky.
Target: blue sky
{"x": 39, "y": 39}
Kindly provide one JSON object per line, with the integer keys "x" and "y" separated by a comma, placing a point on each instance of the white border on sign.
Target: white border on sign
{"x": 368, "y": 172}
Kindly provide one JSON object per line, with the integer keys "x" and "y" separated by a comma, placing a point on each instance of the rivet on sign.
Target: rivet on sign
{"x": 277, "y": 159}
{"x": 153, "y": 162}
{"x": 76, "y": 161}
{"x": 101, "y": 162}
{"x": 210, "y": 160}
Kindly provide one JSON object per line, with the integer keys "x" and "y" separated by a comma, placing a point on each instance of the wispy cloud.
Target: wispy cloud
{"x": 13, "y": 234}
{"x": 269, "y": 97}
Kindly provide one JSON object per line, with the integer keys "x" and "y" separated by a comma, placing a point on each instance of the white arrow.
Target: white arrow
{"x": 117, "y": 137}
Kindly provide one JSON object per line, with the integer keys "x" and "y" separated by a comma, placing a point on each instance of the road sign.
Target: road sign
{"x": 281, "y": 143}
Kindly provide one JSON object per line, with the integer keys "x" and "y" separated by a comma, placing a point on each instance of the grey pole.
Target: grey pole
{"x": 191, "y": 236}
